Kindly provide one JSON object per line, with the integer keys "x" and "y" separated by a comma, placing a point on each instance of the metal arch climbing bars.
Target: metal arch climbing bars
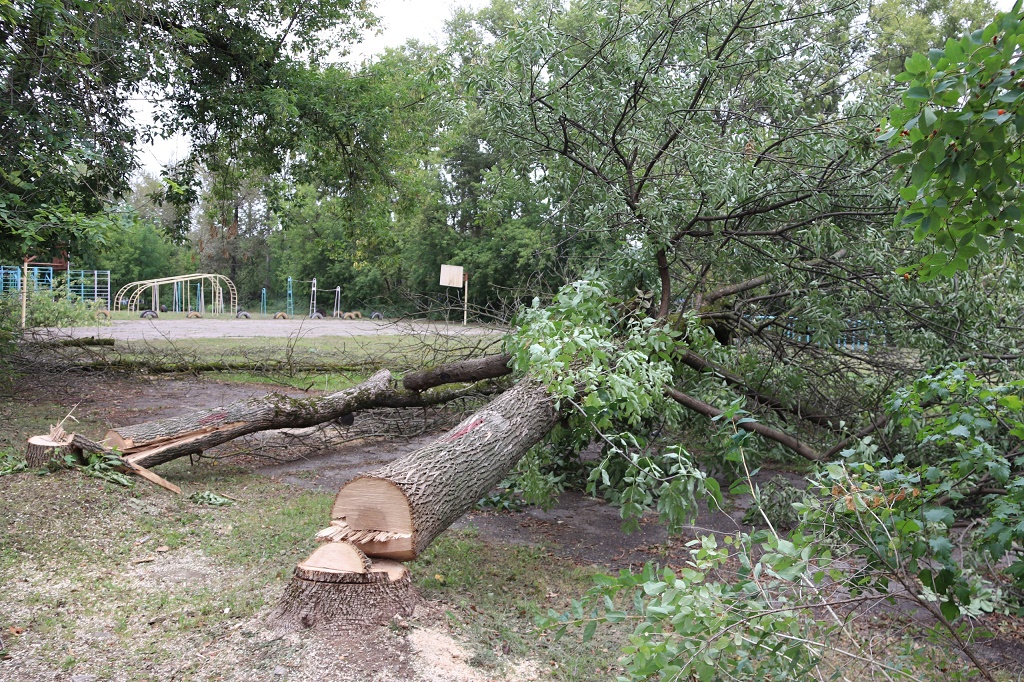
{"x": 130, "y": 293}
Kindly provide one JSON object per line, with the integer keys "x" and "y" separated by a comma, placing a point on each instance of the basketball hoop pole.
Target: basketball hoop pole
{"x": 24, "y": 290}
{"x": 465, "y": 300}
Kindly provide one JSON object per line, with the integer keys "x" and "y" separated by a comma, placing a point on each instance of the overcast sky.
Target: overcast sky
{"x": 400, "y": 21}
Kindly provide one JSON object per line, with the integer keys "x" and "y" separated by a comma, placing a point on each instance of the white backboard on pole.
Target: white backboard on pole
{"x": 451, "y": 276}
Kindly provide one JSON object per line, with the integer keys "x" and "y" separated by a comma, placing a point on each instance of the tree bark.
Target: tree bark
{"x": 41, "y": 450}
{"x": 475, "y": 369}
{"x": 397, "y": 510}
{"x": 152, "y": 443}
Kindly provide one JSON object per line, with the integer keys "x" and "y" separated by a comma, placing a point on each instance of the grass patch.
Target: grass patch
{"x": 493, "y": 594}
{"x": 138, "y": 584}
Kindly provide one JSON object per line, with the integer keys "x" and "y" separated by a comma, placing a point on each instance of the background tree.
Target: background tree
{"x": 899, "y": 28}
{"x": 220, "y": 71}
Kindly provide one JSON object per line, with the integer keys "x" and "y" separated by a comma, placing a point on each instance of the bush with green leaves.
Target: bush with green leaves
{"x": 57, "y": 308}
{"x": 49, "y": 308}
{"x": 889, "y": 519}
{"x": 967, "y": 467}
{"x": 694, "y": 628}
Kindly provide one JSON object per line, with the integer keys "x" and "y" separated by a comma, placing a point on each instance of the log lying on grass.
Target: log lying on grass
{"x": 475, "y": 369}
{"x": 396, "y": 511}
{"x": 156, "y": 442}
{"x": 392, "y": 513}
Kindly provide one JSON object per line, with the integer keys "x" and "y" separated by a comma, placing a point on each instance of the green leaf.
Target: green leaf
{"x": 941, "y": 546}
{"x": 941, "y": 515}
{"x": 917, "y": 63}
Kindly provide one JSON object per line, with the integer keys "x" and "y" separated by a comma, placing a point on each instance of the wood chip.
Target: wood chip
{"x": 163, "y": 548}
{"x": 144, "y": 560}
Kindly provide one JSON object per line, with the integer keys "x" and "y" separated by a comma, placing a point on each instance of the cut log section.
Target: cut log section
{"x": 396, "y": 511}
{"x": 338, "y": 588}
{"x": 41, "y": 450}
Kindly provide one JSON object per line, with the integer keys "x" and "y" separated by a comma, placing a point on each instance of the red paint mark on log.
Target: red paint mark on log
{"x": 211, "y": 418}
{"x": 465, "y": 429}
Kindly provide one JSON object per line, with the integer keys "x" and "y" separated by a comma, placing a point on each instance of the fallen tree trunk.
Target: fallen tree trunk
{"x": 396, "y": 511}
{"x": 152, "y": 443}
{"x": 198, "y": 366}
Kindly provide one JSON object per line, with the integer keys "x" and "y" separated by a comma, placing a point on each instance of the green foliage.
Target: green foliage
{"x": 580, "y": 345}
{"x": 65, "y": 133}
{"x": 12, "y": 463}
{"x": 957, "y": 135}
{"x": 900, "y": 28}
{"x": 774, "y": 502}
{"x": 607, "y": 366}
{"x": 106, "y": 466}
{"x": 899, "y": 513}
{"x": 505, "y": 497}
{"x": 224, "y": 72}
{"x": 209, "y": 498}
{"x": 692, "y": 627}
{"x": 57, "y": 308}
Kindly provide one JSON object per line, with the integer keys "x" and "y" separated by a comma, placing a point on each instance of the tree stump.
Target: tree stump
{"x": 338, "y": 588}
{"x": 41, "y": 450}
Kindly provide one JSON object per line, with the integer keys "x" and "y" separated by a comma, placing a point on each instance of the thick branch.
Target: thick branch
{"x": 813, "y": 415}
{"x": 666, "y": 285}
{"x": 476, "y": 369}
{"x": 731, "y": 289}
{"x": 779, "y": 437}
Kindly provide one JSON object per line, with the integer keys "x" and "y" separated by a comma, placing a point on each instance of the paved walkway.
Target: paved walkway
{"x": 213, "y": 328}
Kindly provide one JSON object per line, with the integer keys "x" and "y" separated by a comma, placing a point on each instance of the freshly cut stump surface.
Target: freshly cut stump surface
{"x": 338, "y": 588}
{"x": 40, "y": 450}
